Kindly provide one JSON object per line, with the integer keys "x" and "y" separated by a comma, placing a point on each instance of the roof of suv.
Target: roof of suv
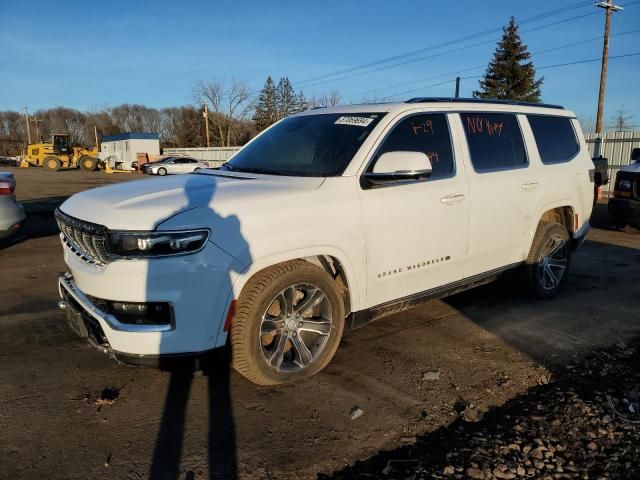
{"x": 450, "y": 104}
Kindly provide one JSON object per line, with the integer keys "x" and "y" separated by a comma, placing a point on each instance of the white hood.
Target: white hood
{"x": 144, "y": 204}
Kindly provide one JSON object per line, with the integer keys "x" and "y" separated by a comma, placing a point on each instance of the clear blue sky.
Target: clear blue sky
{"x": 90, "y": 54}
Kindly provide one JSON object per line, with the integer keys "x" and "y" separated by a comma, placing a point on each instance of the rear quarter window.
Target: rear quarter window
{"x": 555, "y": 138}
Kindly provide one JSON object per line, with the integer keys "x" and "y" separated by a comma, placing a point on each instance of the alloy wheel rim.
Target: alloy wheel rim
{"x": 295, "y": 328}
{"x": 552, "y": 263}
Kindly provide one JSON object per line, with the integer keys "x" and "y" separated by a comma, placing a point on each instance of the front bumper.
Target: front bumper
{"x": 624, "y": 209}
{"x": 197, "y": 287}
{"x": 87, "y": 321}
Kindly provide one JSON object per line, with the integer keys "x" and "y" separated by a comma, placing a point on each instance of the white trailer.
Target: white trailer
{"x": 122, "y": 149}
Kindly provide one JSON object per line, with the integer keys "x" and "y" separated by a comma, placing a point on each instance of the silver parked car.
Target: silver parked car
{"x": 11, "y": 212}
{"x": 172, "y": 165}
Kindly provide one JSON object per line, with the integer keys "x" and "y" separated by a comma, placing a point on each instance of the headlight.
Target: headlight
{"x": 624, "y": 184}
{"x": 152, "y": 244}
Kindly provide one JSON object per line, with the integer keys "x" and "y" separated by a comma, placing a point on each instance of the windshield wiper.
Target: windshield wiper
{"x": 228, "y": 166}
{"x": 233, "y": 168}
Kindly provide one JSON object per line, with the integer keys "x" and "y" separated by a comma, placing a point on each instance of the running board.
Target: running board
{"x": 363, "y": 317}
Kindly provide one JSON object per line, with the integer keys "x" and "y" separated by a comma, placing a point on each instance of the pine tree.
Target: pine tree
{"x": 509, "y": 76}
{"x": 301, "y": 103}
{"x": 266, "y": 110}
{"x": 285, "y": 98}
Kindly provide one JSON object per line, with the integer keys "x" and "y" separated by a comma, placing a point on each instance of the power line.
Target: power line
{"x": 577, "y": 62}
{"x": 539, "y": 52}
{"x": 444, "y": 44}
{"x": 446, "y": 52}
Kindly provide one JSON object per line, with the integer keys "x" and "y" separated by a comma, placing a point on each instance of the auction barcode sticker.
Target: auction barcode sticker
{"x": 357, "y": 121}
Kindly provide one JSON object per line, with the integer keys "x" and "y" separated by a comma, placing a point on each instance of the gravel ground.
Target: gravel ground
{"x": 585, "y": 423}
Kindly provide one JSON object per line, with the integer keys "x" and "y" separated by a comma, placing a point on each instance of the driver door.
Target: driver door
{"x": 416, "y": 231}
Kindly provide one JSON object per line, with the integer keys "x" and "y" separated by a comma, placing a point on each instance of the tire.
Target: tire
{"x": 549, "y": 259}
{"x": 162, "y": 172}
{"x": 197, "y": 169}
{"x": 87, "y": 163}
{"x": 51, "y": 163}
{"x": 259, "y": 309}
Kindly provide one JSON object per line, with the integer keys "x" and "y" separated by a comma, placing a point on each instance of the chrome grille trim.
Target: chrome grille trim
{"x": 87, "y": 240}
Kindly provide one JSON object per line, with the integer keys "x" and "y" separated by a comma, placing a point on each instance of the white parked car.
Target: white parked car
{"x": 327, "y": 220}
{"x": 174, "y": 165}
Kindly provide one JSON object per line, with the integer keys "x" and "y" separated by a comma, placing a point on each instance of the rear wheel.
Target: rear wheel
{"x": 88, "y": 163}
{"x": 162, "y": 171}
{"x": 288, "y": 324}
{"x": 51, "y": 163}
{"x": 549, "y": 260}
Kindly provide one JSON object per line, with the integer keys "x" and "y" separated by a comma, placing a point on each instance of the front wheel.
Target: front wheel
{"x": 548, "y": 263}
{"x": 162, "y": 172}
{"x": 288, "y": 324}
{"x": 88, "y": 164}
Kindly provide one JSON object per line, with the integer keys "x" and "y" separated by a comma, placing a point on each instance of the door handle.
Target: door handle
{"x": 530, "y": 186}
{"x": 451, "y": 199}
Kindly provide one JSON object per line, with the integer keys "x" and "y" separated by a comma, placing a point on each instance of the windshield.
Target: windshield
{"x": 310, "y": 145}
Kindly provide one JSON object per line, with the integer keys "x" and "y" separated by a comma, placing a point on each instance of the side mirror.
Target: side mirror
{"x": 635, "y": 155}
{"x": 393, "y": 167}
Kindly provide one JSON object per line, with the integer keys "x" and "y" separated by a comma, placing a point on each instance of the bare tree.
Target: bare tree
{"x": 372, "y": 99}
{"x": 622, "y": 121}
{"x": 588, "y": 123}
{"x": 62, "y": 120}
{"x": 228, "y": 103}
{"x": 325, "y": 100}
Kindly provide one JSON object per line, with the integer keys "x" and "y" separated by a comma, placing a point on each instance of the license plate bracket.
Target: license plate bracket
{"x": 76, "y": 322}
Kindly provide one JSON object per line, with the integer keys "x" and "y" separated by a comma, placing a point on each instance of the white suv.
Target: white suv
{"x": 327, "y": 220}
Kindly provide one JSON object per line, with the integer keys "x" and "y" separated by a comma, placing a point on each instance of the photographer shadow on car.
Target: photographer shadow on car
{"x": 199, "y": 191}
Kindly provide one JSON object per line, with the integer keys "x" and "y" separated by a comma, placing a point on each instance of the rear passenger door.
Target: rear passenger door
{"x": 416, "y": 231}
{"x": 501, "y": 186}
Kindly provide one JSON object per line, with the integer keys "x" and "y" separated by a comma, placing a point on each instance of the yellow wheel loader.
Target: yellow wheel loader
{"x": 59, "y": 154}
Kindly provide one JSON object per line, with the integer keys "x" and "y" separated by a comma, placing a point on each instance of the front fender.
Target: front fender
{"x": 240, "y": 279}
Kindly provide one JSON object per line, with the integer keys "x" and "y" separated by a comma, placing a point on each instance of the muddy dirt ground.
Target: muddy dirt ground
{"x": 67, "y": 412}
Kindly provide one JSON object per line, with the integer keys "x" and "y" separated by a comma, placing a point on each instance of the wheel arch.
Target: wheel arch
{"x": 562, "y": 212}
{"x": 332, "y": 260}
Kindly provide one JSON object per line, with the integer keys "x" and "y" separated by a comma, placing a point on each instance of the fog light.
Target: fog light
{"x": 137, "y": 313}
{"x": 154, "y": 313}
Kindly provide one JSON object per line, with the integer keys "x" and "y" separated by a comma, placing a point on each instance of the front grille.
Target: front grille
{"x": 85, "y": 239}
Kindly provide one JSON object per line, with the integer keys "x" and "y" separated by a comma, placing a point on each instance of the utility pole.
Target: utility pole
{"x": 26, "y": 119}
{"x": 95, "y": 132}
{"x": 205, "y": 114}
{"x": 609, "y": 7}
{"x": 457, "y": 87}
{"x": 35, "y": 121}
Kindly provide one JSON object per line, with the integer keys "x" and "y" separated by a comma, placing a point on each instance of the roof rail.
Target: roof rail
{"x": 481, "y": 100}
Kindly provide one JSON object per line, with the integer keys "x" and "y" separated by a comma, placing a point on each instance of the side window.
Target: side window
{"x": 429, "y": 134}
{"x": 555, "y": 138}
{"x": 495, "y": 141}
